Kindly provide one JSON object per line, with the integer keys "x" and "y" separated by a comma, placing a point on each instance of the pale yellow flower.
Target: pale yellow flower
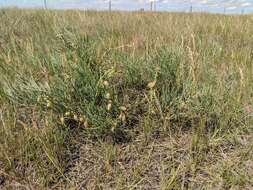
{"x": 67, "y": 114}
{"x": 49, "y": 104}
{"x": 108, "y": 95}
{"x": 106, "y": 83}
{"x": 122, "y": 108}
{"x": 109, "y": 105}
{"x": 151, "y": 85}
{"x": 62, "y": 120}
{"x": 81, "y": 119}
{"x": 75, "y": 117}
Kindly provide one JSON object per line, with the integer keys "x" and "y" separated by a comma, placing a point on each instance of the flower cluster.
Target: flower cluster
{"x": 45, "y": 100}
{"x": 108, "y": 96}
{"x": 81, "y": 119}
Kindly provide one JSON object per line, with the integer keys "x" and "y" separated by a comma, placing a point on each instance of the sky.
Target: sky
{"x": 229, "y": 6}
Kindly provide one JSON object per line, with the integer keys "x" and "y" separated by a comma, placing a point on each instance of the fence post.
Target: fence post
{"x": 110, "y": 5}
{"x": 191, "y": 9}
{"x": 45, "y": 4}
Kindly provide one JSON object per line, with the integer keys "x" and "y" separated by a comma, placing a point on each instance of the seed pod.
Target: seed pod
{"x": 122, "y": 108}
{"x": 122, "y": 117}
{"x": 151, "y": 85}
{"x": 81, "y": 119}
{"x": 109, "y": 105}
{"x": 49, "y": 104}
{"x": 108, "y": 95}
{"x": 86, "y": 124}
{"x": 39, "y": 99}
{"x": 62, "y": 120}
{"x": 67, "y": 114}
{"x": 75, "y": 118}
{"x": 106, "y": 83}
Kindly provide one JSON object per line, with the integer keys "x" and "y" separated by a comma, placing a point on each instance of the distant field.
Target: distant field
{"x": 125, "y": 100}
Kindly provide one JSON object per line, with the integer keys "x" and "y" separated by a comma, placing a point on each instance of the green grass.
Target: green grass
{"x": 125, "y": 100}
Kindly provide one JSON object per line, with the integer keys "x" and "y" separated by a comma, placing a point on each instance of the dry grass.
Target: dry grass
{"x": 166, "y": 163}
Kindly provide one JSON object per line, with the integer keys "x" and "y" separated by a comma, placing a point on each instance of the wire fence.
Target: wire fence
{"x": 111, "y": 5}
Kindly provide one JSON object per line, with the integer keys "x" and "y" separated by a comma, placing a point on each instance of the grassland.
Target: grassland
{"x": 125, "y": 100}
